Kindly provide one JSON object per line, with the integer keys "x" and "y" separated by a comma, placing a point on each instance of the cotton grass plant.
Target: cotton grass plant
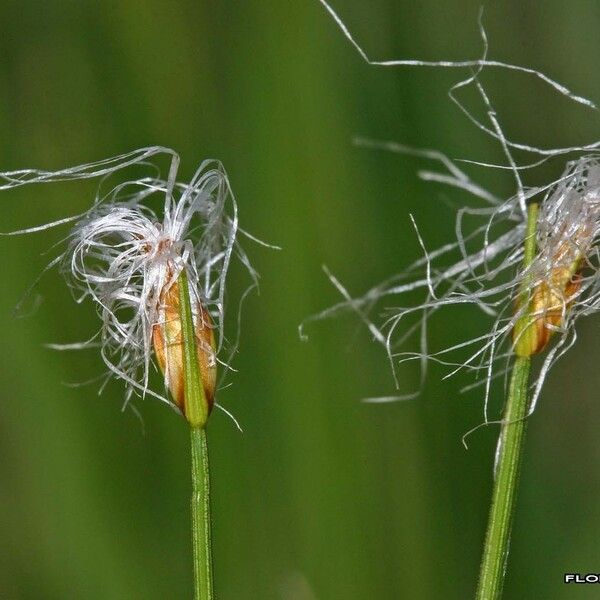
{"x": 529, "y": 263}
{"x": 153, "y": 255}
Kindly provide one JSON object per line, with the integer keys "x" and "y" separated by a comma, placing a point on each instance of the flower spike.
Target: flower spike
{"x": 127, "y": 257}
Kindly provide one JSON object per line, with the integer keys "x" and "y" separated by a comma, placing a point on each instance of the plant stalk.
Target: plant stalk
{"x": 201, "y": 536}
{"x": 510, "y": 450}
{"x": 196, "y": 411}
{"x": 495, "y": 553}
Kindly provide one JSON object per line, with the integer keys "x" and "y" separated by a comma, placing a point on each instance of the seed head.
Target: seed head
{"x": 568, "y": 228}
{"x": 549, "y": 301}
{"x": 127, "y": 252}
{"x": 167, "y": 338}
{"x": 532, "y": 309}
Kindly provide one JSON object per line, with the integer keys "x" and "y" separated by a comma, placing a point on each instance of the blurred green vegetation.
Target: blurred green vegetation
{"x": 322, "y": 497}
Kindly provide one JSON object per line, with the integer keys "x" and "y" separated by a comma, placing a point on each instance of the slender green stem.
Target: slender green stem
{"x": 196, "y": 412}
{"x": 201, "y": 540}
{"x": 510, "y": 450}
{"x": 530, "y": 235}
{"x": 493, "y": 565}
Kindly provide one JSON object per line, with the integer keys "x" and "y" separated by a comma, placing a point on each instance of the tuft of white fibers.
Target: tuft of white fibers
{"x": 529, "y": 309}
{"x": 123, "y": 254}
{"x": 561, "y": 284}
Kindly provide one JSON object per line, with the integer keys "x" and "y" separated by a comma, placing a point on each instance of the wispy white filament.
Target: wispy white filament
{"x": 470, "y": 64}
{"x": 482, "y": 267}
{"x": 123, "y": 254}
{"x": 489, "y": 277}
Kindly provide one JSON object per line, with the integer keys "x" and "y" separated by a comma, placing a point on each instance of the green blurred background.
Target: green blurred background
{"x": 322, "y": 497}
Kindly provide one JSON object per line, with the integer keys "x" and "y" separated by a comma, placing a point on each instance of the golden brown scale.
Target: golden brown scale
{"x": 167, "y": 338}
{"x": 548, "y": 301}
{"x": 551, "y": 301}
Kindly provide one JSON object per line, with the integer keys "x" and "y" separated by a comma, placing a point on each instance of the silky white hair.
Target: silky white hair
{"x": 489, "y": 276}
{"x": 488, "y": 272}
{"x": 122, "y": 254}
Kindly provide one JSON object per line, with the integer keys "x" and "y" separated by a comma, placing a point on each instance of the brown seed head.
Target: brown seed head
{"x": 167, "y": 338}
{"x": 548, "y": 302}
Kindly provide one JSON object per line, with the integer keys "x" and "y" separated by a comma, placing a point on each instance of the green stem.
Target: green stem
{"x": 201, "y": 540}
{"x": 508, "y": 465}
{"x": 196, "y": 412}
{"x": 530, "y": 235}
{"x": 493, "y": 565}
